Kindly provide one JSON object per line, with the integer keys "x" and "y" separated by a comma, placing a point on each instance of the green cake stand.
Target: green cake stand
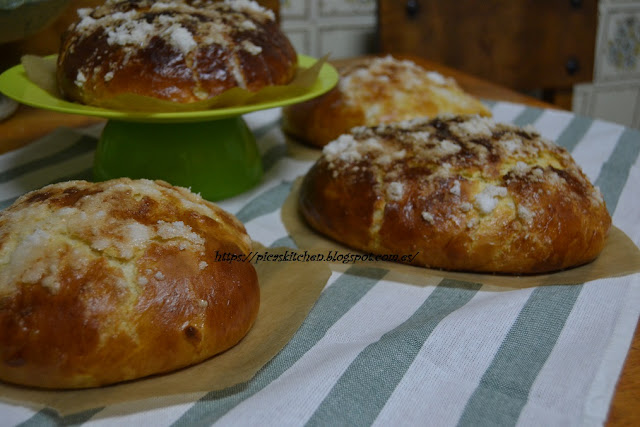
{"x": 212, "y": 152}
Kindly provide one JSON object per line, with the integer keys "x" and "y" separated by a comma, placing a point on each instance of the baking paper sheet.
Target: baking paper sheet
{"x": 288, "y": 292}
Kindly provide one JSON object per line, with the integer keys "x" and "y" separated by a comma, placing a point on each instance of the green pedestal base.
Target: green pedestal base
{"x": 217, "y": 159}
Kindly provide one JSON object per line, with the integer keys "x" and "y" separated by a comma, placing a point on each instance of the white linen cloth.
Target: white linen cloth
{"x": 375, "y": 350}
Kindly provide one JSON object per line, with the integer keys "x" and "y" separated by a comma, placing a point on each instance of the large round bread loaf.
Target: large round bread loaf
{"x": 461, "y": 192}
{"x": 107, "y": 282}
{"x": 373, "y": 91}
{"x": 183, "y": 51}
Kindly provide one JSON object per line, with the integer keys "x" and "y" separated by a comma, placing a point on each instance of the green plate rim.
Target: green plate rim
{"x": 15, "y": 84}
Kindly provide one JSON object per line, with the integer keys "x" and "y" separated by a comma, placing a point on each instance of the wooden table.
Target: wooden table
{"x": 29, "y": 124}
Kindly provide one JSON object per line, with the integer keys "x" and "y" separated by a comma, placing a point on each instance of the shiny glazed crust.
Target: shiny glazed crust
{"x": 374, "y": 91}
{"x": 183, "y": 51}
{"x": 112, "y": 281}
{"x": 463, "y": 192}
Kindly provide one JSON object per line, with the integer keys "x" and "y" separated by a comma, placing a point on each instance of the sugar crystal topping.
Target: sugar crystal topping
{"x": 92, "y": 227}
{"x": 382, "y": 69}
{"x": 181, "y": 24}
{"x": 487, "y": 200}
{"x": 473, "y": 164}
{"x": 395, "y": 191}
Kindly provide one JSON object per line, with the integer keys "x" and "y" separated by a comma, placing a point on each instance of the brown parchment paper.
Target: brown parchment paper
{"x": 42, "y": 72}
{"x": 288, "y": 291}
{"x": 620, "y": 257}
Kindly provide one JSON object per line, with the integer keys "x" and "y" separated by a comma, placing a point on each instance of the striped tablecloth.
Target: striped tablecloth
{"x": 377, "y": 351}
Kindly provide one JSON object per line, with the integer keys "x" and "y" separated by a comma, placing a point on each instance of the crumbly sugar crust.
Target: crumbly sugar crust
{"x": 121, "y": 271}
{"x": 203, "y": 47}
{"x": 378, "y": 90}
{"x": 497, "y": 196}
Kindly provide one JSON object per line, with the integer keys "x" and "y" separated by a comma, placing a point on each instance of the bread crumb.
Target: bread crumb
{"x": 202, "y": 265}
{"x": 436, "y": 77}
{"x": 477, "y": 126}
{"x": 525, "y": 213}
{"x": 421, "y": 136}
{"x": 181, "y": 38}
{"x": 178, "y": 229}
{"x": 131, "y": 31}
{"x": 345, "y": 148}
{"x": 80, "y": 79}
{"x": 447, "y": 148}
{"x": 251, "y": 6}
{"x": 251, "y": 48}
{"x": 511, "y": 145}
{"x": 487, "y": 200}
{"x": 395, "y": 191}
{"x": 427, "y": 217}
{"x": 455, "y": 188}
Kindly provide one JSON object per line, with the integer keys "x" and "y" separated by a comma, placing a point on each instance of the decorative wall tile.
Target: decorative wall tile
{"x": 295, "y": 9}
{"x": 614, "y": 94}
{"x": 345, "y": 41}
{"x": 344, "y": 28}
{"x": 618, "y": 42}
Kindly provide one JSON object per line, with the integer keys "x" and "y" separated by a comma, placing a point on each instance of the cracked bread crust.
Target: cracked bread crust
{"x": 183, "y": 51}
{"x": 112, "y": 281}
{"x": 374, "y": 91}
{"x": 466, "y": 193}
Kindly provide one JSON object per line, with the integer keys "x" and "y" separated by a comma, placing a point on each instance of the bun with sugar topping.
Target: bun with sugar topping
{"x": 463, "y": 192}
{"x": 373, "y": 91}
{"x": 183, "y": 51}
{"x": 117, "y": 280}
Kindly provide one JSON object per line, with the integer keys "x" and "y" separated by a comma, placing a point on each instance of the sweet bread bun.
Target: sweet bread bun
{"x": 182, "y": 51}
{"x": 373, "y": 91}
{"x": 111, "y": 281}
{"x": 461, "y": 192}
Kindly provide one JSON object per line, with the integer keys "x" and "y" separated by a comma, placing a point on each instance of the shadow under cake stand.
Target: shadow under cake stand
{"x": 212, "y": 152}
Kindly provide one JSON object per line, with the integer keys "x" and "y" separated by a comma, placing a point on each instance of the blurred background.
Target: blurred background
{"x": 581, "y": 55}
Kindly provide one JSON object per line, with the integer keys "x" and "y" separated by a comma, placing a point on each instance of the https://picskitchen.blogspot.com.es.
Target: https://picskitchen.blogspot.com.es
{"x": 334, "y": 256}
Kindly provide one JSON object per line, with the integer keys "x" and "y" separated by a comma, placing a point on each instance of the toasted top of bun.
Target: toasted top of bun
{"x": 111, "y": 281}
{"x": 373, "y": 91}
{"x": 183, "y": 50}
{"x": 463, "y": 192}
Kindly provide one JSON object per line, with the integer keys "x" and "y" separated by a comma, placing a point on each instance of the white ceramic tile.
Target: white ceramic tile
{"x": 347, "y": 7}
{"x": 343, "y": 28}
{"x": 581, "y": 98}
{"x": 300, "y": 9}
{"x": 617, "y": 102}
{"x": 345, "y": 42}
{"x": 301, "y": 38}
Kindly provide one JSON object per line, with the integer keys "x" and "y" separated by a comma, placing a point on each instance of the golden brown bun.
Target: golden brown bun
{"x": 183, "y": 51}
{"x": 374, "y": 91}
{"x": 111, "y": 281}
{"x": 464, "y": 192}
